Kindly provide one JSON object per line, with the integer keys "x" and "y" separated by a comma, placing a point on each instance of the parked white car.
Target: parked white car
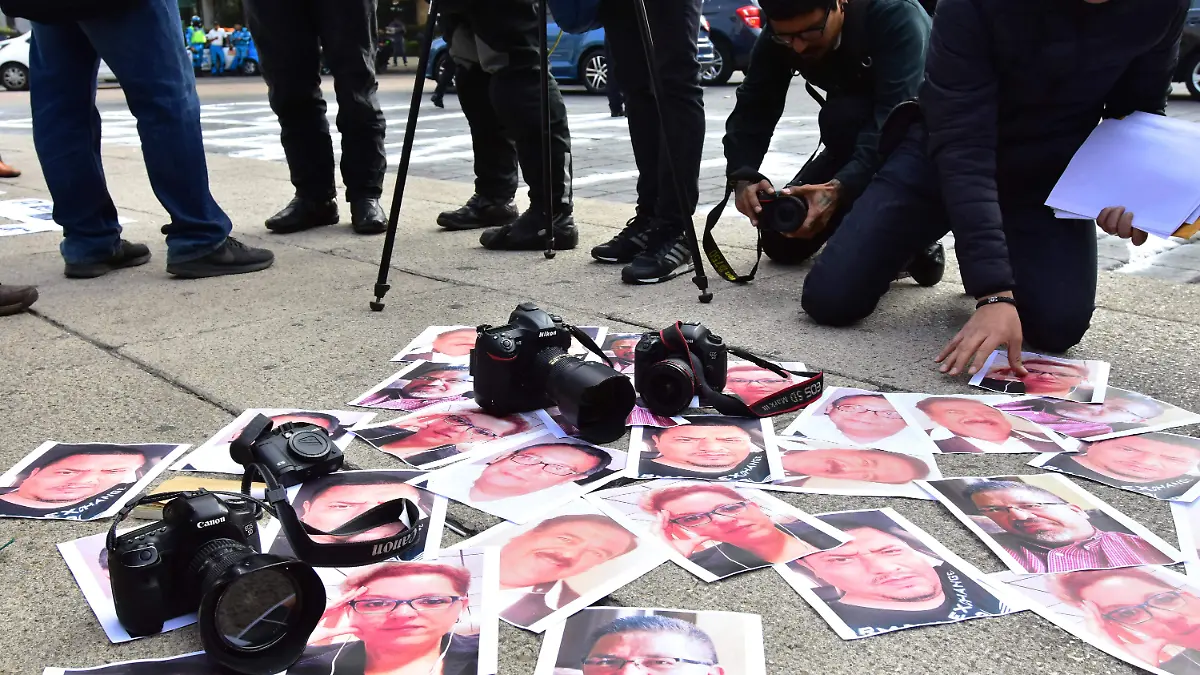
{"x": 14, "y": 64}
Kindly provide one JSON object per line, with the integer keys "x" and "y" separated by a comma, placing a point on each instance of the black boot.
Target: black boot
{"x": 528, "y": 233}
{"x": 367, "y": 217}
{"x": 303, "y": 214}
{"x": 479, "y": 212}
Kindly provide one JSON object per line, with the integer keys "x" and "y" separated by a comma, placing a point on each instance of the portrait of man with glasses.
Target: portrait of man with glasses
{"x": 1053, "y": 378}
{"x": 420, "y": 385}
{"x": 859, "y": 417}
{"x": 403, "y": 617}
{"x": 429, "y": 438}
{"x": 521, "y": 483}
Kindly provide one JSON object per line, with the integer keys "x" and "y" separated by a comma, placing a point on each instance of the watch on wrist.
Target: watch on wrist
{"x": 992, "y": 300}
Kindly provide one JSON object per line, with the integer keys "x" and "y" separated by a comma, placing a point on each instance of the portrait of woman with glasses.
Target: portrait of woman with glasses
{"x": 429, "y": 438}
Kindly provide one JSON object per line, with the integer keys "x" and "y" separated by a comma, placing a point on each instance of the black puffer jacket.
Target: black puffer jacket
{"x": 1013, "y": 88}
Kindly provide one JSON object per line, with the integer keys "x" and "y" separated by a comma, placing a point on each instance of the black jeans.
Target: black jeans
{"x": 674, "y": 26}
{"x": 292, "y": 37}
{"x": 840, "y": 120}
{"x": 445, "y": 78}
{"x": 901, "y": 212}
{"x": 498, "y": 79}
{"x": 612, "y": 89}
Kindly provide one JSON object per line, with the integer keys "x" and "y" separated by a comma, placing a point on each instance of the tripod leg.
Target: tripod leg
{"x": 544, "y": 95}
{"x": 389, "y": 242}
{"x": 701, "y": 280}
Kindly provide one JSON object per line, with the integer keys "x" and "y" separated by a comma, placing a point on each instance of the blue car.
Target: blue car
{"x": 574, "y": 59}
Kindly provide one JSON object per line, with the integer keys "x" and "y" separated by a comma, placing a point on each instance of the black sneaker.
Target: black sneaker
{"x": 927, "y": 267}
{"x": 666, "y": 257}
{"x": 628, "y": 243}
{"x": 479, "y": 212}
{"x": 129, "y": 255}
{"x": 528, "y": 233}
{"x": 233, "y": 257}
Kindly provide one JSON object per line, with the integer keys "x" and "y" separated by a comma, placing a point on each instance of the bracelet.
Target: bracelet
{"x": 995, "y": 299}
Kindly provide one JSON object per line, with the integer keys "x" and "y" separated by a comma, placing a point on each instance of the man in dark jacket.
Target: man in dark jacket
{"x": 1012, "y": 89}
{"x": 868, "y": 56}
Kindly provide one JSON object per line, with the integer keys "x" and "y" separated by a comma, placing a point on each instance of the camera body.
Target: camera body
{"x": 505, "y": 359}
{"x": 781, "y": 213}
{"x": 292, "y": 452}
{"x": 152, "y": 568}
{"x": 664, "y": 377}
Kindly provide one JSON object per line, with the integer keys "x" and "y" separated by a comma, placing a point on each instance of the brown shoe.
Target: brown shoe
{"x": 7, "y": 171}
{"x": 15, "y": 299}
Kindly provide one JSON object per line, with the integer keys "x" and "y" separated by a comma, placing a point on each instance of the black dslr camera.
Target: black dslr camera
{"x": 781, "y": 213}
{"x": 293, "y": 452}
{"x": 525, "y": 366}
{"x": 663, "y": 369}
{"x": 256, "y": 610}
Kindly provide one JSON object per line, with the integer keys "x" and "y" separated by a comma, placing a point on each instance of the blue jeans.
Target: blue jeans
{"x": 216, "y": 57}
{"x": 156, "y": 75}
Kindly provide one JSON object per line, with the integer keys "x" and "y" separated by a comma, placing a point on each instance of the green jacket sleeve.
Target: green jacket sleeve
{"x": 759, "y": 105}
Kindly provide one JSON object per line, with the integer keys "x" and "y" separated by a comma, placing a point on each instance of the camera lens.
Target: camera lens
{"x": 668, "y": 386}
{"x": 593, "y": 397}
{"x": 788, "y": 214}
{"x": 311, "y": 444}
{"x": 256, "y": 609}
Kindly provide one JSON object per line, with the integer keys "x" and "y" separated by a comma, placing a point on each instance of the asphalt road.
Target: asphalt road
{"x": 238, "y": 123}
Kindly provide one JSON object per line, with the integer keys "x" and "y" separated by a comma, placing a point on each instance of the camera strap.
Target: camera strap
{"x": 589, "y": 344}
{"x": 344, "y": 554}
{"x": 719, "y": 263}
{"x": 111, "y": 540}
{"x": 794, "y": 397}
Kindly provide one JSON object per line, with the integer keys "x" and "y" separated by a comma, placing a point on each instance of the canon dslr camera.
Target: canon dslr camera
{"x": 525, "y": 366}
{"x": 663, "y": 372}
{"x": 293, "y": 452}
{"x": 781, "y": 213}
{"x": 255, "y": 609}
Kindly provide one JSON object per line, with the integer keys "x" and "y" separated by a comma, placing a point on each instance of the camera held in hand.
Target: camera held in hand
{"x": 781, "y": 213}
{"x": 525, "y": 366}
{"x": 665, "y": 366}
{"x": 255, "y": 610}
{"x": 293, "y": 452}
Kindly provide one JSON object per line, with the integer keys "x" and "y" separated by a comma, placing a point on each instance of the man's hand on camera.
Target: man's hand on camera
{"x": 1116, "y": 220}
{"x": 822, "y": 204}
{"x": 746, "y": 198}
{"x": 991, "y": 326}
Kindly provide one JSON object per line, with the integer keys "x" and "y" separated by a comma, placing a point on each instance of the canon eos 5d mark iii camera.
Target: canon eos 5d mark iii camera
{"x": 525, "y": 366}
{"x": 663, "y": 372}
{"x": 255, "y": 610}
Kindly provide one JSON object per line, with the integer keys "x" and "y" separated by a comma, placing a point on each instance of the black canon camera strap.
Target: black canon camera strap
{"x": 795, "y": 397}
{"x": 345, "y": 554}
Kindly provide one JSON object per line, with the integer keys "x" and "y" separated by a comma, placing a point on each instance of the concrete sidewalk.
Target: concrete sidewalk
{"x": 139, "y": 357}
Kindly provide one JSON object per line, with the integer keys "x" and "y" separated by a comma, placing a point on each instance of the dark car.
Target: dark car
{"x": 734, "y": 25}
{"x": 1189, "y": 52}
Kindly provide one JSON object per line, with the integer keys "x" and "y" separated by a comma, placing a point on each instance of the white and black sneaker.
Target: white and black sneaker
{"x": 627, "y": 244}
{"x": 666, "y": 257}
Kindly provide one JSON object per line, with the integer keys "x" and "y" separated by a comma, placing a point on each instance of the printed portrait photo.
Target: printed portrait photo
{"x": 620, "y": 640}
{"x": 1123, "y": 413}
{"x": 213, "y": 455}
{"x": 81, "y": 481}
{"x": 1146, "y": 616}
{"x": 1163, "y": 466}
{"x": 438, "y": 435}
{"x": 330, "y": 501}
{"x": 568, "y": 559}
{"x": 1045, "y": 523}
{"x": 441, "y": 344}
{"x": 968, "y": 424}
{"x": 619, "y": 348}
{"x": 752, "y": 383}
{"x": 716, "y": 530}
{"x": 1187, "y": 527}
{"x": 596, "y": 333}
{"x": 1051, "y": 377}
{"x": 389, "y": 617}
{"x": 711, "y": 447}
{"x": 314, "y": 661}
{"x": 87, "y": 558}
{"x": 890, "y": 576}
{"x": 419, "y": 385}
{"x": 821, "y": 467}
{"x": 859, "y": 417}
{"x": 529, "y": 479}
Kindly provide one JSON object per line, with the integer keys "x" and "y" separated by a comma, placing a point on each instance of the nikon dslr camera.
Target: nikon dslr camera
{"x": 663, "y": 373}
{"x": 525, "y": 366}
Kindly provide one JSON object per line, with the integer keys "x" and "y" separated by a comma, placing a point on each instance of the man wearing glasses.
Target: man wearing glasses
{"x": 404, "y": 615}
{"x": 868, "y": 56}
{"x": 864, "y": 419}
{"x": 1042, "y": 377}
{"x": 424, "y": 386}
{"x": 656, "y": 645}
{"x": 1044, "y": 533}
{"x": 1145, "y": 616}
{"x": 424, "y": 438}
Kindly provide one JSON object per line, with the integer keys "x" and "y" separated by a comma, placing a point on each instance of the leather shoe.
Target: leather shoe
{"x": 367, "y": 217}
{"x": 128, "y": 255}
{"x": 528, "y": 233}
{"x": 15, "y": 299}
{"x": 479, "y": 212}
{"x": 7, "y": 171}
{"x": 303, "y": 214}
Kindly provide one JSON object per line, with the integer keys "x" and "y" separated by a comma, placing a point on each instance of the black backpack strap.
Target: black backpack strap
{"x": 854, "y": 33}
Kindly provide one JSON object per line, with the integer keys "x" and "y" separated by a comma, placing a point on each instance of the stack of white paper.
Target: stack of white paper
{"x": 1149, "y": 164}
